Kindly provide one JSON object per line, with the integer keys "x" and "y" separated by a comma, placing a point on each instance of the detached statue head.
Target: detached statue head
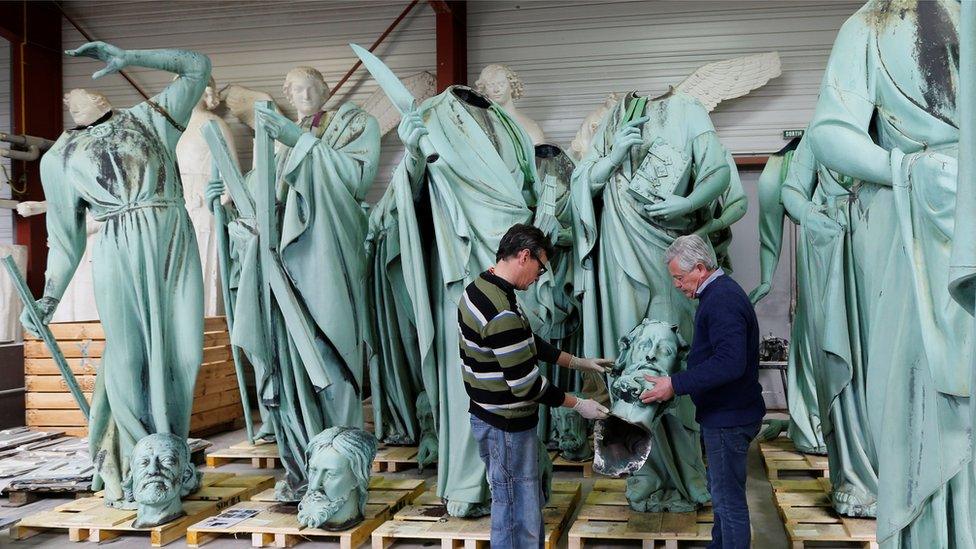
{"x": 160, "y": 474}
{"x": 623, "y": 440}
{"x": 570, "y": 432}
{"x": 500, "y": 84}
{"x": 86, "y": 106}
{"x": 339, "y": 461}
{"x": 306, "y": 89}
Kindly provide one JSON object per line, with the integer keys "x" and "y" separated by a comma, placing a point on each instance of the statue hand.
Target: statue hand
{"x": 547, "y": 223}
{"x": 820, "y": 224}
{"x": 114, "y": 57}
{"x": 278, "y": 126}
{"x": 426, "y": 451}
{"x": 760, "y": 292}
{"x": 672, "y": 206}
{"x": 410, "y": 130}
{"x": 626, "y": 137}
{"x": 46, "y": 307}
{"x": 214, "y": 191}
{"x": 29, "y": 208}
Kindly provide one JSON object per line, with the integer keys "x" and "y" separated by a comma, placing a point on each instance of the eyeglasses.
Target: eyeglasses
{"x": 542, "y": 266}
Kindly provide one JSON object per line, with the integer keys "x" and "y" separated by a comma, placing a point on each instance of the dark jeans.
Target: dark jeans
{"x": 726, "y": 449}
{"x": 512, "y": 460}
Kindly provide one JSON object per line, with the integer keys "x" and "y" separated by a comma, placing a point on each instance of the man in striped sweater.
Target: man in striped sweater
{"x": 499, "y": 355}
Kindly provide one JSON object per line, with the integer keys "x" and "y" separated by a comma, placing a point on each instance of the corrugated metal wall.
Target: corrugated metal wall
{"x": 568, "y": 54}
{"x": 6, "y": 125}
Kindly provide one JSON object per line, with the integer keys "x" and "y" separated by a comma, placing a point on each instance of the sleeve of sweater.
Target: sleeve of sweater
{"x": 512, "y": 346}
{"x": 726, "y": 333}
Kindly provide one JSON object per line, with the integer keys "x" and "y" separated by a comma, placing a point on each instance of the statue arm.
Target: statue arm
{"x": 839, "y": 135}
{"x": 734, "y": 207}
{"x": 800, "y": 182}
{"x": 597, "y": 166}
{"x": 66, "y": 230}
{"x": 180, "y": 96}
{"x": 712, "y": 171}
{"x": 771, "y": 213}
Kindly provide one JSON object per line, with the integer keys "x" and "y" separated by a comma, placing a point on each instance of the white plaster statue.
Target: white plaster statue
{"x": 10, "y": 304}
{"x": 78, "y": 303}
{"x": 194, "y": 158}
{"x": 581, "y": 143}
{"x": 503, "y": 86}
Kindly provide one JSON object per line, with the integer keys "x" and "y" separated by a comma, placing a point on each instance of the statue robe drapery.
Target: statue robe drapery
{"x": 148, "y": 286}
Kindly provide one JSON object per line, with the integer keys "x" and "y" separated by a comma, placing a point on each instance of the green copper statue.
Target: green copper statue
{"x": 161, "y": 474}
{"x": 804, "y": 424}
{"x": 148, "y": 285}
{"x": 887, "y": 115}
{"x": 300, "y": 300}
{"x": 654, "y": 172}
{"x": 339, "y": 463}
{"x": 826, "y": 353}
{"x": 570, "y": 434}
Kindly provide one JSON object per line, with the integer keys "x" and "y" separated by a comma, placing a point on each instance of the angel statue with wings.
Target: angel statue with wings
{"x": 656, "y": 170}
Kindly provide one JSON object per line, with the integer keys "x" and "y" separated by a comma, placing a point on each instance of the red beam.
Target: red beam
{"x": 34, "y": 31}
{"x": 751, "y": 162}
{"x": 452, "y": 42}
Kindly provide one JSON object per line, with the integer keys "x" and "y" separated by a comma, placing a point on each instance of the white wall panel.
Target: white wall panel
{"x": 6, "y": 125}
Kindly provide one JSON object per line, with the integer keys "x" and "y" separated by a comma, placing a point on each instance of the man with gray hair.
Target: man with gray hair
{"x": 722, "y": 379}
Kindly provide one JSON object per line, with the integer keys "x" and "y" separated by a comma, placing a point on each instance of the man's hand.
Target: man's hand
{"x": 661, "y": 391}
{"x": 596, "y": 365}
{"x": 278, "y": 126}
{"x": 591, "y": 409}
{"x": 626, "y": 137}
{"x": 410, "y": 130}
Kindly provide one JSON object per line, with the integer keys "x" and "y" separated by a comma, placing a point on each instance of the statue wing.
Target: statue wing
{"x": 240, "y": 101}
{"x": 422, "y": 86}
{"x": 715, "y": 82}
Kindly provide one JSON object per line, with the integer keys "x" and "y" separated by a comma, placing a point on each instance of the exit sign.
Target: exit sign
{"x": 790, "y": 134}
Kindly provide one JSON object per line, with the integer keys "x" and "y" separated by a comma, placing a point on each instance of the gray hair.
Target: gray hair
{"x": 691, "y": 250}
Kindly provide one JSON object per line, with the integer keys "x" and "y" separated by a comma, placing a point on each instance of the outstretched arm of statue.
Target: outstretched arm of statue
{"x": 771, "y": 214}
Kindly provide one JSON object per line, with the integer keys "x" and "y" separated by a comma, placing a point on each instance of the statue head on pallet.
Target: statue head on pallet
{"x": 339, "y": 461}
{"x": 571, "y": 434}
{"x": 160, "y": 475}
{"x": 623, "y": 441}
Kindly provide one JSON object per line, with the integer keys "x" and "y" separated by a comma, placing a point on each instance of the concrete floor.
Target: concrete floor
{"x": 767, "y": 526}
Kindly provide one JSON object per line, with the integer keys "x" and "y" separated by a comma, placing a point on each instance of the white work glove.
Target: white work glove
{"x": 595, "y": 365}
{"x": 591, "y": 409}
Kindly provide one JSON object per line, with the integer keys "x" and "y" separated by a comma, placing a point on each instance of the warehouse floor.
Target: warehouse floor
{"x": 767, "y": 525}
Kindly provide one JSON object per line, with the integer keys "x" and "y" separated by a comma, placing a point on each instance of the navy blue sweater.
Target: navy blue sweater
{"x": 723, "y": 365}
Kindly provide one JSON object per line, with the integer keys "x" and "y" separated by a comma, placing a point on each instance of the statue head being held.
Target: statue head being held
{"x": 623, "y": 440}
{"x": 306, "y": 89}
{"x": 160, "y": 474}
{"x": 339, "y": 461}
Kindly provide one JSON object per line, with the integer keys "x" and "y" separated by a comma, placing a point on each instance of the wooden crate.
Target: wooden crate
{"x": 427, "y": 519}
{"x": 780, "y": 456}
{"x": 585, "y": 468}
{"x": 89, "y": 518}
{"x": 394, "y": 459}
{"x": 261, "y": 456}
{"x": 277, "y": 524}
{"x": 809, "y": 516}
{"x": 605, "y": 515}
{"x": 216, "y": 399}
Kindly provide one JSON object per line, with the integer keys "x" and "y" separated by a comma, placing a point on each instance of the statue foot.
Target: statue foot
{"x": 465, "y": 509}
{"x": 853, "y": 501}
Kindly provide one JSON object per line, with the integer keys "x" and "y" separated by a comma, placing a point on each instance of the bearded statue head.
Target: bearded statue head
{"x": 623, "y": 441}
{"x": 339, "y": 462}
{"x": 160, "y": 475}
{"x": 570, "y": 433}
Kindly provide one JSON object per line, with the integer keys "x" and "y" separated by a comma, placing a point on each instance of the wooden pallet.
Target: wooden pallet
{"x": 427, "y": 519}
{"x": 49, "y": 405}
{"x": 261, "y": 456}
{"x": 90, "y": 519}
{"x": 583, "y": 467}
{"x": 780, "y": 456}
{"x": 277, "y": 524}
{"x": 394, "y": 459}
{"x": 809, "y": 516}
{"x": 605, "y": 515}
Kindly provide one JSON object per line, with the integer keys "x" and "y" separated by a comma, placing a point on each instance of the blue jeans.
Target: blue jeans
{"x": 726, "y": 448}
{"x": 517, "y": 500}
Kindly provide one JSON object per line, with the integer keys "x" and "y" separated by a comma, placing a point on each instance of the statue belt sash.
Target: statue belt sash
{"x": 136, "y": 206}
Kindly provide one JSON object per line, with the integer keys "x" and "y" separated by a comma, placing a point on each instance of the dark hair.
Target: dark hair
{"x": 523, "y": 237}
